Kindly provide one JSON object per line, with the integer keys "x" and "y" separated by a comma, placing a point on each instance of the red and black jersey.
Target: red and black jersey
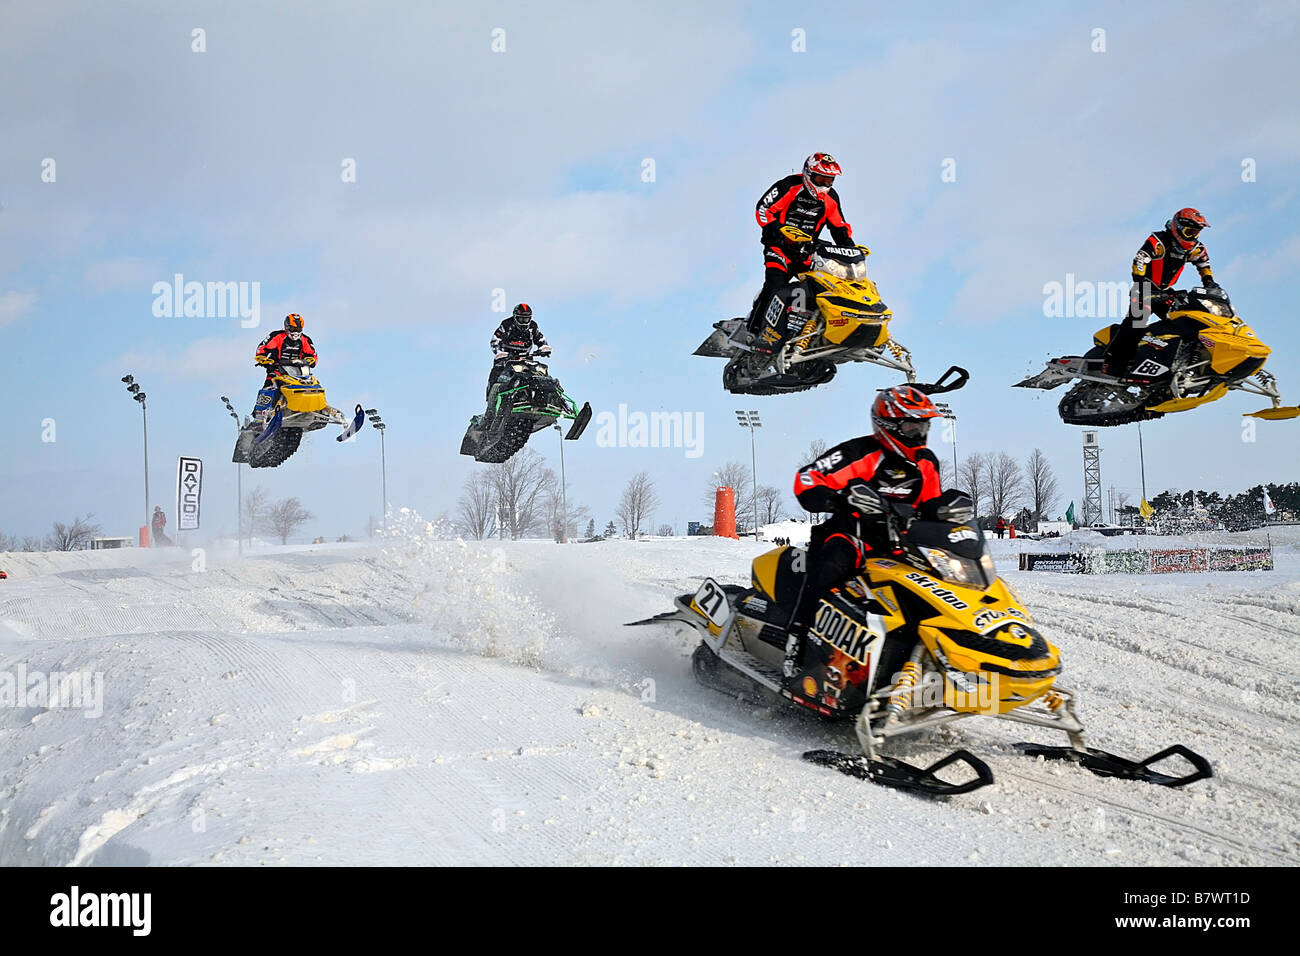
{"x": 787, "y": 203}
{"x": 285, "y": 351}
{"x": 1160, "y": 261}
{"x": 511, "y": 337}
{"x": 818, "y": 485}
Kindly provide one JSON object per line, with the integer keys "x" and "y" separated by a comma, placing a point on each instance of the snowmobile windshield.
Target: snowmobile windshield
{"x": 1213, "y": 306}
{"x": 956, "y": 552}
{"x": 843, "y": 263}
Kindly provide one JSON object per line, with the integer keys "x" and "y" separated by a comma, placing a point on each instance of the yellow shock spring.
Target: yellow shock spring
{"x": 894, "y": 347}
{"x": 901, "y": 698}
{"x": 805, "y": 334}
{"x": 1053, "y": 701}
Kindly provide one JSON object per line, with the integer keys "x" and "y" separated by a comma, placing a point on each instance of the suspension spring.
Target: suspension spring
{"x": 901, "y": 697}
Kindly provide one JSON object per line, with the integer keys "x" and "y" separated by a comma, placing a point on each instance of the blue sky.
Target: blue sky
{"x": 521, "y": 170}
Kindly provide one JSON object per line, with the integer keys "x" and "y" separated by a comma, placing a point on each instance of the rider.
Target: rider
{"x": 807, "y": 201}
{"x": 515, "y": 336}
{"x": 852, "y": 481}
{"x": 289, "y": 346}
{"x": 1156, "y": 268}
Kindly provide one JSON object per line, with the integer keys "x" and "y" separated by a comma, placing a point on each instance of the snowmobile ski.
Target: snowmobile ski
{"x": 358, "y": 419}
{"x": 579, "y": 423}
{"x": 891, "y": 772}
{"x": 272, "y": 426}
{"x": 1105, "y": 764}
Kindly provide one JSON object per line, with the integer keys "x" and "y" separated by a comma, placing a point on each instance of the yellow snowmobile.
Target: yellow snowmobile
{"x": 1200, "y": 352}
{"x": 927, "y": 634}
{"x": 825, "y": 317}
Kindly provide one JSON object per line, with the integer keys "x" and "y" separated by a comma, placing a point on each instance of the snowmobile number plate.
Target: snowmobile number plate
{"x": 711, "y": 601}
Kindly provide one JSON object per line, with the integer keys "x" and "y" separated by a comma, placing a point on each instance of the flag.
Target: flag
{"x": 1069, "y": 513}
{"x": 189, "y": 485}
{"x": 1145, "y": 510}
{"x": 1268, "y": 503}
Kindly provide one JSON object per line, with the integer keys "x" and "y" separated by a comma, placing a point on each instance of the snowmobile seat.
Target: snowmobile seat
{"x": 774, "y": 574}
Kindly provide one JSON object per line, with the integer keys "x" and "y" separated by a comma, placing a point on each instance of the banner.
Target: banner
{"x": 1178, "y": 560}
{"x": 189, "y": 485}
{"x": 1241, "y": 559}
{"x": 1063, "y": 562}
{"x": 1171, "y": 560}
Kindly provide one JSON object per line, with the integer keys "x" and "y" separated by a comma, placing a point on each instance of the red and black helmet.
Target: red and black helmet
{"x": 900, "y": 419}
{"x": 819, "y": 172}
{"x": 522, "y": 314}
{"x": 1185, "y": 226}
{"x": 293, "y": 322}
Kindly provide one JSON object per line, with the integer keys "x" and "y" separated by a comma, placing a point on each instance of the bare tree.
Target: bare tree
{"x": 74, "y": 536}
{"x": 638, "y": 503}
{"x": 769, "y": 504}
{"x": 736, "y": 476}
{"x": 665, "y": 531}
{"x": 476, "y": 509}
{"x": 521, "y": 485}
{"x": 972, "y": 475}
{"x": 1006, "y": 484}
{"x": 1040, "y": 484}
{"x": 8, "y": 542}
{"x": 815, "y": 451}
{"x": 945, "y": 471}
{"x": 286, "y": 516}
{"x": 564, "y": 525}
{"x": 256, "y": 505}
{"x": 31, "y": 543}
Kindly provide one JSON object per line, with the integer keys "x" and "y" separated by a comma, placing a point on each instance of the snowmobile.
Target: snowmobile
{"x": 926, "y": 634}
{"x": 299, "y": 406}
{"x": 835, "y": 315}
{"x": 524, "y": 399}
{"x": 1200, "y": 352}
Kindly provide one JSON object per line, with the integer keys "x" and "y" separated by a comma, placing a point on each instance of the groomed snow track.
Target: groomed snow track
{"x": 398, "y": 704}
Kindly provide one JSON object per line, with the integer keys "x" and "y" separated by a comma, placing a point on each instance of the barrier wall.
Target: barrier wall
{"x": 1160, "y": 561}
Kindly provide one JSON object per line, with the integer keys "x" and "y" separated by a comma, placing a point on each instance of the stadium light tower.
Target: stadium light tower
{"x": 750, "y": 420}
{"x": 1092, "y": 512}
{"x": 239, "y": 486}
{"x": 137, "y": 395}
{"x": 947, "y": 412}
{"x": 564, "y": 492}
{"x": 377, "y": 423}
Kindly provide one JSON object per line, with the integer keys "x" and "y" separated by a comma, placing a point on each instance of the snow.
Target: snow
{"x": 429, "y": 701}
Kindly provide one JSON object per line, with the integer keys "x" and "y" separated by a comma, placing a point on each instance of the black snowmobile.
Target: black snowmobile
{"x": 524, "y": 399}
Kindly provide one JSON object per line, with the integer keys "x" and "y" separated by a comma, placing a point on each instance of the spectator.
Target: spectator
{"x": 1000, "y": 526}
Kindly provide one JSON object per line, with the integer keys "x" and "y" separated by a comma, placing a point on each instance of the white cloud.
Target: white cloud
{"x": 14, "y": 305}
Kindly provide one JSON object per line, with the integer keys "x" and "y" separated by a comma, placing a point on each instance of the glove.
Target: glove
{"x": 501, "y": 356}
{"x": 265, "y": 360}
{"x": 309, "y": 360}
{"x": 544, "y": 351}
{"x": 865, "y": 500}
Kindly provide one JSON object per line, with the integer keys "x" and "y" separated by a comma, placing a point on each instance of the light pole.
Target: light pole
{"x": 946, "y": 411}
{"x": 564, "y": 492}
{"x": 377, "y": 423}
{"x": 137, "y": 395}
{"x": 239, "y": 486}
{"x": 1142, "y": 463}
{"x": 751, "y": 422}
